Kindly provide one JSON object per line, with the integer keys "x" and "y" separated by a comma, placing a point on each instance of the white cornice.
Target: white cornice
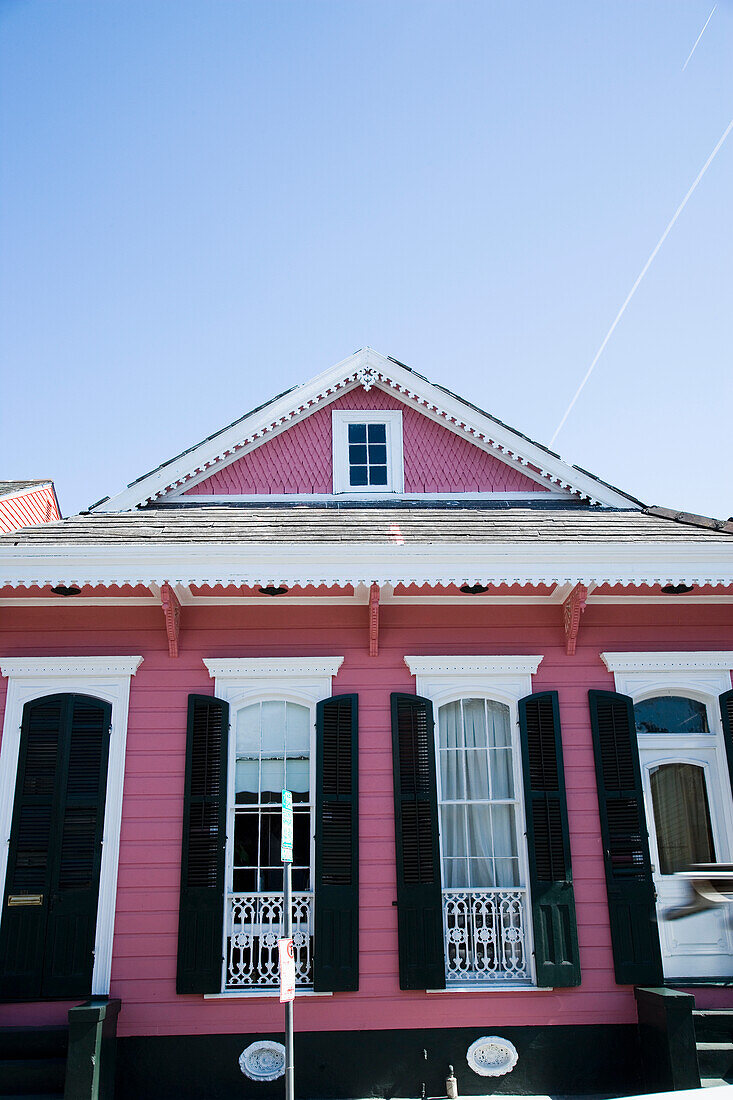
{"x": 339, "y": 564}
{"x": 366, "y": 367}
{"x": 502, "y": 665}
{"x": 235, "y": 668}
{"x": 23, "y": 667}
{"x": 697, "y": 660}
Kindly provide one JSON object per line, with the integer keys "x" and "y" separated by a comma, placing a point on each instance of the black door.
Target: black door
{"x": 49, "y": 913}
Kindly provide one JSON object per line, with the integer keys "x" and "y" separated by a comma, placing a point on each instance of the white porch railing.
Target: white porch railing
{"x": 485, "y": 936}
{"x": 254, "y": 925}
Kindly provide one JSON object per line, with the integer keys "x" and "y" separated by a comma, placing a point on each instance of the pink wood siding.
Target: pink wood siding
{"x": 28, "y": 509}
{"x": 300, "y": 460}
{"x": 144, "y": 957}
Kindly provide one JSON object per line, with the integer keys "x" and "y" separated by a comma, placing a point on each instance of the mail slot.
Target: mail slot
{"x": 25, "y": 899}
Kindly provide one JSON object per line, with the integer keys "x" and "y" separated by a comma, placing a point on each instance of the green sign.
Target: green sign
{"x": 286, "y": 842}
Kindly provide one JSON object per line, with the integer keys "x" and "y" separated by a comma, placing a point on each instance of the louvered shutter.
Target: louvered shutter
{"x": 336, "y": 947}
{"x": 629, "y": 884}
{"x": 419, "y": 899}
{"x": 557, "y": 959}
{"x": 201, "y": 912}
{"x": 726, "y": 713}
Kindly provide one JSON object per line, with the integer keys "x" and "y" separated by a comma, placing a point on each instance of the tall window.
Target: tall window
{"x": 484, "y": 899}
{"x": 273, "y": 751}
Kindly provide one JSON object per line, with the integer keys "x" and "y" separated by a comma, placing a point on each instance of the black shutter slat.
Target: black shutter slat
{"x": 201, "y": 910}
{"x": 336, "y": 946}
{"x": 629, "y": 883}
{"x": 557, "y": 958}
{"x": 419, "y": 894}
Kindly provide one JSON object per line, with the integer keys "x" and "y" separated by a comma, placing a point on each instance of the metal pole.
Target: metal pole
{"x": 289, "y": 1051}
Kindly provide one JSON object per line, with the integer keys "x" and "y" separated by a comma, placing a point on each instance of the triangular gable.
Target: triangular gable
{"x": 489, "y": 452}
{"x": 300, "y": 460}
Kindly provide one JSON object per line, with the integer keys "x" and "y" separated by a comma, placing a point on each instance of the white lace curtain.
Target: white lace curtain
{"x": 477, "y": 812}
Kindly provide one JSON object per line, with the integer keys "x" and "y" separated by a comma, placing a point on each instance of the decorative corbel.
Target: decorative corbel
{"x": 572, "y": 609}
{"x": 374, "y": 620}
{"x": 172, "y": 615}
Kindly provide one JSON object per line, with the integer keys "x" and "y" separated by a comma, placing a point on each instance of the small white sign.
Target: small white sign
{"x": 286, "y": 841}
{"x": 287, "y": 970}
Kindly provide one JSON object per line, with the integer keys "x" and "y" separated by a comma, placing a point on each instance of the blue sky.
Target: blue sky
{"x": 203, "y": 203}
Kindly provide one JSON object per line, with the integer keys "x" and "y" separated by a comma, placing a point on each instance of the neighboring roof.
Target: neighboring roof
{"x": 7, "y": 488}
{"x": 343, "y": 543}
{"x": 366, "y": 367}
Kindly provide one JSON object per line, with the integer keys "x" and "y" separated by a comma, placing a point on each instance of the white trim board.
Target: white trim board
{"x": 368, "y": 368}
{"x": 106, "y": 678}
{"x": 334, "y": 564}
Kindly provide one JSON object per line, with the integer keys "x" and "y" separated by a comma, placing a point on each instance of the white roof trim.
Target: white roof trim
{"x": 255, "y": 564}
{"x": 368, "y": 368}
{"x": 235, "y": 668}
{"x": 701, "y": 660}
{"x": 25, "y": 491}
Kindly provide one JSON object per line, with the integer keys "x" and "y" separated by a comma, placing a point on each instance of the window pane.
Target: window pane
{"x": 273, "y": 727}
{"x": 478, "y": 831}
{"x": 246, "y": 783}
{"x": 453, "y": 830}
{"x": 273, "y": 780}
{"x": 481, "y": 873}
{"x": 298, "y": 729}
{"x": 502, "y": 780}
{"x": 452, "y": 774}
{"x": 298, "y": 778}
{"x": 358, "y": 475}
{"x": 474, "y": 723}
{"x": 245, "y": 840}
{"x": 377, "y": 475}
{"x": 357, "y": 455}
{"x": 671, "y": 714}
{"x": 449, "y": 726}
{"x": 455, "y": 874}
{"x": 506, "y": 872}
{"x": 357, "y": 433}
{"x": 248, "y": 730}
{"x": 681, "y": 817}
{"x": 499, "y": 732}
{"x": 377, "y": 454}
{"x": 503, "y": 831}
{"x": 377, "y": 433}
{"x": 477, "y": 775}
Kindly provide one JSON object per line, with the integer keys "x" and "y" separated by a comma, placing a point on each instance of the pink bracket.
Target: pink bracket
{"x": 572, "y": 609}
{"x": 374, "y": 620}
{"x": 172, "y": 614}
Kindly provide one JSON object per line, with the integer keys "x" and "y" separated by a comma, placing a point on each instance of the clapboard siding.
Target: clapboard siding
{"x": 144, "y": 956}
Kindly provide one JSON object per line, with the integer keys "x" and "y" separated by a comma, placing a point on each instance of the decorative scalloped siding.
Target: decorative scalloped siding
{"x": 299, "y": 460}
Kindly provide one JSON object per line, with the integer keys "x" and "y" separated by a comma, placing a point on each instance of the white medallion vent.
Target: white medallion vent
{"x": 263, "y": 1061}
{"x": 491, "y": 1056}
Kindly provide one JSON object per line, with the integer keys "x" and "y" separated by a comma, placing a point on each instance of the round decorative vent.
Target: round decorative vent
{"x": 263, "y": 1061}
{"x": 490, "y": 1056}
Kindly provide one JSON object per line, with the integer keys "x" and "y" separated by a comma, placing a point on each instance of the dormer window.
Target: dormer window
{"x": 367, "y": 452}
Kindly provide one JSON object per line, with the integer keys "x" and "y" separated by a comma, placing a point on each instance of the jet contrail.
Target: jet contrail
{"x": 702, "y": 32}
{"x": 643, "y": 272}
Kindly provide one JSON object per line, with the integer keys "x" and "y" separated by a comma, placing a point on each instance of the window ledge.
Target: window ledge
{"x": 494, "y": 987}
{"x": 250, "y": 994}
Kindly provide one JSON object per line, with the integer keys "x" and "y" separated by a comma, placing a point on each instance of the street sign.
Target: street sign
{"x": 287, "y": 970}
{"x": 286, "y": 842}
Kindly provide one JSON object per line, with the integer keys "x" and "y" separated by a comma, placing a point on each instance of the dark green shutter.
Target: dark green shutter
{"x": 201, "y": 913}
{"x": 336, "y": 947}
{"x": 629, "y": 883}
{"x": 726, "y": 713}
{"x": 419, "y": 898}
{"x": 548, "y": 842}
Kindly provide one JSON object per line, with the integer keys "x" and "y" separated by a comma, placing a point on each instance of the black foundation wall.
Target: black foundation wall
{"x": 383, "y": 1064}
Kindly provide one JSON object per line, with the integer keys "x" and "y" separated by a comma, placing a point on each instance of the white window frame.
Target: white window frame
{"x": 241, "y": 681}
{"x": 392, "y": 419}
{"x": 503, "y": 679}
{"x": 106, "y": 678}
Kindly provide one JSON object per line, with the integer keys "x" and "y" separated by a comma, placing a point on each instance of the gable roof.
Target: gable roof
{"x": 367, "y": 368}
{"x": 10, "y": 488}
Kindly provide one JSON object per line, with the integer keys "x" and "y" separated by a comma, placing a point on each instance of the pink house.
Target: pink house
{"x": 500, "y": 692}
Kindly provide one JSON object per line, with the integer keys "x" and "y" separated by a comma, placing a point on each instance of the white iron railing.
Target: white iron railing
{"x": 254, "y": 925}
{"x": 484, "y": 932}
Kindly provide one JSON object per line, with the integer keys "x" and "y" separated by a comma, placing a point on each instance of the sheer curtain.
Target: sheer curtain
{"x": 478, "y": 829}
{"x": 681, "y": 817}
